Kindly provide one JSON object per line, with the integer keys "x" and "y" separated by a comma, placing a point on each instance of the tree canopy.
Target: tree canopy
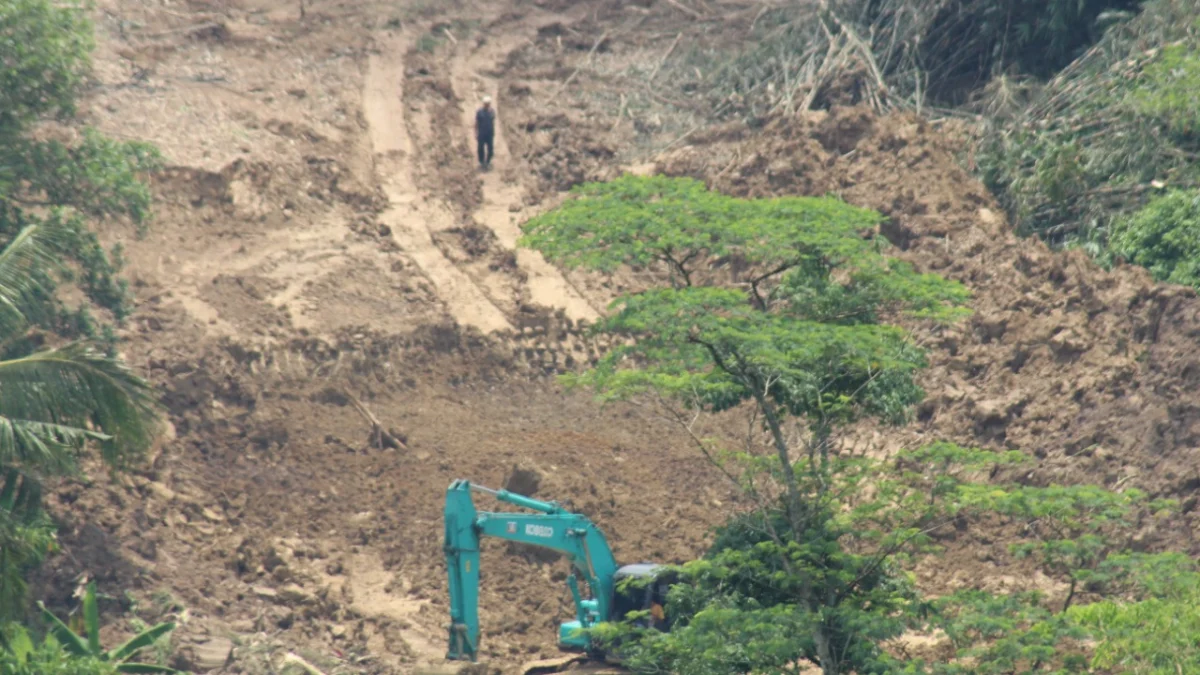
{"x": 773, "y": 300}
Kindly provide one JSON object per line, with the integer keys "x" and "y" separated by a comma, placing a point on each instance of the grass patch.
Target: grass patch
{"x": 428, "y": 43}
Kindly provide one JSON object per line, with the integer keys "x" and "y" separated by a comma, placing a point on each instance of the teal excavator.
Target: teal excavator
{"x": 554, "y": 528}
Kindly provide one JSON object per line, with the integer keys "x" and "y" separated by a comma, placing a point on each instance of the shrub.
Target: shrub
{"x": 1098, "y": 140}
{"x": 1163, "y": 237}
{"x": 21, "y": 656}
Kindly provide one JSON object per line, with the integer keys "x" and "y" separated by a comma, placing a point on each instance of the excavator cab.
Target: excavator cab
{"x": 648, "y": 593}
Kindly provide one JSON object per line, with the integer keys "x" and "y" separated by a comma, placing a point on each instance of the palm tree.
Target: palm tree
{"x": 55, "y": 404}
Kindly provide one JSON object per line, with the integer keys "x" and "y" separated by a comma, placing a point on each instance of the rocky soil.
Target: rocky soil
{"x": 324, "y": 245}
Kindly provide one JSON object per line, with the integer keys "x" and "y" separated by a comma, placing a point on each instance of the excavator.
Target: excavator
{"x": 555, "y": 528}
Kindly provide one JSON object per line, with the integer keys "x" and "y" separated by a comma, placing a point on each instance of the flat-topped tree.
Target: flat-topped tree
{"x": 786, "y": 305}
{"x": 798, "y": 329}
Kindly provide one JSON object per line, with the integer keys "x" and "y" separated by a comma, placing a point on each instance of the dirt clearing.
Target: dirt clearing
{"x": 324, "y": 234}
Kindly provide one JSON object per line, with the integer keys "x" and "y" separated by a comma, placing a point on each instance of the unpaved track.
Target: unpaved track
{"x": 546, "y": 285}
{"x": 413, "y": 216}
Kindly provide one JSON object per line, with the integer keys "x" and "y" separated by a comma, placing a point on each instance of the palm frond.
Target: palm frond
{"x": 51, "y": 448}
{"x": 24, "y": 264}
{"x": 59, "y": 399}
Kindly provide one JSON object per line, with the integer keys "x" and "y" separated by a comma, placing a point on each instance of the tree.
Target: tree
{"x": 60, "y": 392}
{"x": 26, "y": 536}
{"x": 788, "y": 310}
{"x": 785, "y": 308}
{"x": 62, "y": 176}
{"x": 1163, "y": 236}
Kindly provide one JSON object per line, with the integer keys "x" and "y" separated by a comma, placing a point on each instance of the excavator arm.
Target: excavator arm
{"x": 552, "y": 527}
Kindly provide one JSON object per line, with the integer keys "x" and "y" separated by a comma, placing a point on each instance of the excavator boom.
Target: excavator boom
{"x": 551, "y": 527}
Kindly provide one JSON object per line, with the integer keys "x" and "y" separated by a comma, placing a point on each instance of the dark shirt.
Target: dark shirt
{"x": 485, "y": 122}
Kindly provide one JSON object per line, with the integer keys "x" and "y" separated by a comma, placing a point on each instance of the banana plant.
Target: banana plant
{"x": 88, "y": 644}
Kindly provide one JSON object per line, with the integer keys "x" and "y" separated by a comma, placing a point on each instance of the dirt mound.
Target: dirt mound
{"x": 1088, "y": 370}
{"x": 280, "y": 513}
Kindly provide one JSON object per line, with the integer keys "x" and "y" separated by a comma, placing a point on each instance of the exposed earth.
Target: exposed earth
{"x": 323, "y": 241}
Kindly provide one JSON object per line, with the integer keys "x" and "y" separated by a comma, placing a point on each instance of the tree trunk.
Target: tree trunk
{"x": 785, "y": 460}
{"x": 824, "y": 651}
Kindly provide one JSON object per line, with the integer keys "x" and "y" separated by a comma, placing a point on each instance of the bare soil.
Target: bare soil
{"x": 323, "y": 234}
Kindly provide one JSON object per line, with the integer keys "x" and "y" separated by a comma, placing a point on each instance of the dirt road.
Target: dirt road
{"x": 474, "y": 297}
{"x": 323, "y": 232}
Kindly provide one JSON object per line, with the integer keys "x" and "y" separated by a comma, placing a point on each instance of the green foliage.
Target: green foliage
{"x": 733, "y": 610}
{"x": 55, "y": 402}
{"x": 1163, "y": 236}
{"x": 26, "y": 537}
{"x": 1071, "y": 528}
{"x": 786, "y": 308}
{"x": 1156, "y": 633}
{"x": 1169, "y": 93}
{"x": 1074, "y": 534}
{"x": 1101, "y": 137}
{"x": 1151, "y": 637}
{"x": 998, "y": 635}
{"x": 88, "y": 645}
{"x": 779, "y": 304}
{"x": 764, "y": 592}
{"x": 772, "y": 300}
{"x": 46, "y": 49}
{"x": 51, "y": 181}
{"x": 21, "y": 656}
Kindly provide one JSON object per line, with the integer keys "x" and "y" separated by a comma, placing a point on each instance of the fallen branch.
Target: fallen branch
{"x": 685, "y": 9}
{"x": 586, "y": 60}
{"x": 450, "y": 35}
{"x": 383, "y": 438}
{"x": 620, "y": 112}
{"x": 664, "y": 57}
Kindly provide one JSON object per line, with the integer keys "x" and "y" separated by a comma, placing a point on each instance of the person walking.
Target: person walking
{"x": 485, "y": 132}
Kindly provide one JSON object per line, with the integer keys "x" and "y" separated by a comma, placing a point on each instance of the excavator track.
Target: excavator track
{"x": 572, "y": 665}
{"x": 578, "y": 664}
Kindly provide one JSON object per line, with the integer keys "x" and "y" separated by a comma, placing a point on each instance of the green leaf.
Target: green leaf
{"x": 18, "y": 643}
{"x": 139, "y": 642}
{"x": 31, "y": 252}
{"x": 144, "y": 668}
{"x": 91, "y": 619}
{"x": 59, "y": 398}
{"x": 69, "y": 640}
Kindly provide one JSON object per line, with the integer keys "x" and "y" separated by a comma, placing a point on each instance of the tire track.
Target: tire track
{"x": 412, "y": 216}
{"x": 546, "y": 285}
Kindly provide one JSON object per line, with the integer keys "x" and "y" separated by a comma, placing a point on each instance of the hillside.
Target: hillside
{"x": 322, "y": 236}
